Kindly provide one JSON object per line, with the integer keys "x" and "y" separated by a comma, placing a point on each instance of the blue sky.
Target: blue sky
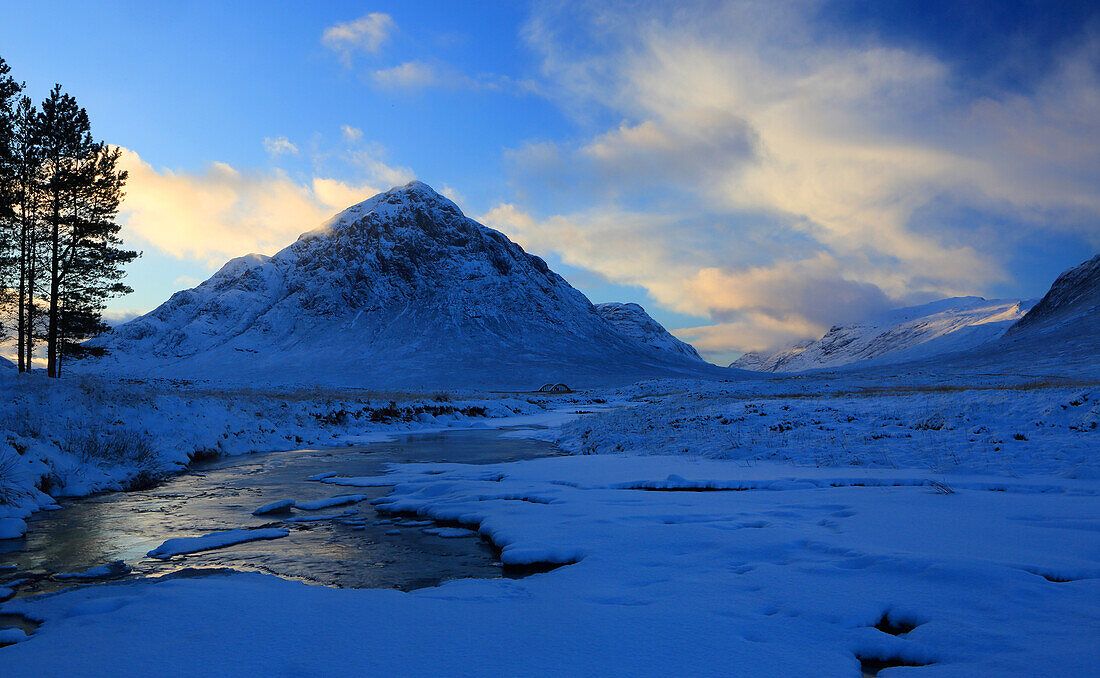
{"x": 751, "y": 172}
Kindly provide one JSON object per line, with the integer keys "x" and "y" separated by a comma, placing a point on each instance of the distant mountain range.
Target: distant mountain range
{"x": 897, "y": 336}
{"x": 1062, "y": 329}
{"x": 399, "y": 291}
{"x": 404, "y": 291}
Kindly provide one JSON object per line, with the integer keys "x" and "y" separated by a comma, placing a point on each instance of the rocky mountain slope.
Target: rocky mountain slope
{"x": 1060, "y": 334}
{"x": 401, "y": 290}
{"x": 1074, "y": 298}
{"x": 632, "y": 321}
{"x": 912, "y": 333}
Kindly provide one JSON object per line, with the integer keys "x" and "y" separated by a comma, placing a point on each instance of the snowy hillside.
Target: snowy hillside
{"x": 911, "y": 333}
{"x": 1061, "y": 332}
{"x": 632, "y": 321}
{"x": 401, "y": 290}
{"x": 1073, "y": 298}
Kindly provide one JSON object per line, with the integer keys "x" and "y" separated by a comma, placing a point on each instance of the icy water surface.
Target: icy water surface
{"x": 221, "y": 495}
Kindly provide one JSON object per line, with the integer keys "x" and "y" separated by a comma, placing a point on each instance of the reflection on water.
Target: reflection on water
{"x": 220, "y": 495}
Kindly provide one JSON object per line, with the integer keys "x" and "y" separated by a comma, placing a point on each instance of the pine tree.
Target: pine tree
{"x": 92, "y": 268}
{"x": 9, "y": 88}
{"x": 83, "y": 190}
{"x": 27, "y": 152}
{"x": 66, "y": 139}
{"x": 61, "y": 256}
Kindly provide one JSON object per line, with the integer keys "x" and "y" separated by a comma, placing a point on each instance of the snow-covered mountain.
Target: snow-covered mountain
{"x": 1060, "y": 334}
{"x": 1073, "y": 300}
{"x": 911, "y": 333}
{"x": 1057, "y": 339}
{"x": 401, "y": 290}
{"x": 632, "y": 321}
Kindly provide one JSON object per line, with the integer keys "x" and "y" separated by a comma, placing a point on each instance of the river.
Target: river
{"x": 356, "y": 551}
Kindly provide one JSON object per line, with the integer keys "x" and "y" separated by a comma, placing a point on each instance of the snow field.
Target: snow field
{"x": 765, "y": 528}
{"x": 1009, "y": 431}
{"x": 789, "y": 580}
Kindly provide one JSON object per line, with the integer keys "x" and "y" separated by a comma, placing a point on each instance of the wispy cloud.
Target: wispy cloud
{"x": 351, "y": 134}
{"x": 117, "y": 316}
{"x": 366, "y": 34}
{"x": 419, "y": 75}
{"x": 276, "y": 146}
{"x": 684, "y": 270}
{"x": 409, "y": 75}
{"x": 453, "y": 194}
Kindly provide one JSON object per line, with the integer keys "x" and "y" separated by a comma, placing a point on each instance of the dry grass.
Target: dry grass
{"x": 10, "y": 491}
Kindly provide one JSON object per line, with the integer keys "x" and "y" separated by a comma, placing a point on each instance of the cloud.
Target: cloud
{"x": 775, "y": 177}
{"x": 117, "y": 316}
{"x": 366, "y": 34}
{"x": 453, "y": 194}
{"x": 625, "y": 247}
{"x": 351, "y": 134}
{"x": 222, "y": 212}
{"x": 279, "y": 146}
{"x": 186, "y": 281}
{"x": 418, "y": 75}
{"x": 355, "y": 157}
{"x": 754, "y": 332}
{"x": 753, "y": 306}
{"x": 1041, "y": 149}
{"x": 690, "y": 147}
{"x": 340, "y": 195}
{"x": 369, "y": 161}
{"x": 409, "y": 75}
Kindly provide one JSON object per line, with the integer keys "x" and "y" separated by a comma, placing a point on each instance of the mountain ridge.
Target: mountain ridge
{"x": 632, "y": 320}
{"x": 1075, "y": 293}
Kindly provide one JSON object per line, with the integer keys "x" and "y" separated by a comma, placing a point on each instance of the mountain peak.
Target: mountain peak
{"x": 415, "y": 194}
{"x": 399, "y": 204}
{"x": 403, "y": 290}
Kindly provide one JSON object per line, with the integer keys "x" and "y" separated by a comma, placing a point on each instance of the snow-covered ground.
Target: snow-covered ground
{"x": 1012, "y": 428}
{"x": 78, "y": 436}
{"x": 789, "y": 579}
{"x": 774, "y": 527}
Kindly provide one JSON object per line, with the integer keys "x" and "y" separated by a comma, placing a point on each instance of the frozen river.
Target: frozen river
{"x": 359, "y": 550}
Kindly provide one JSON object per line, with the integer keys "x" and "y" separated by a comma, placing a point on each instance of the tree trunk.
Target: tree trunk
{"x": 55, "y": 286}
{"x": 21, "y": 323}
{"x": 32, "y": 283}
